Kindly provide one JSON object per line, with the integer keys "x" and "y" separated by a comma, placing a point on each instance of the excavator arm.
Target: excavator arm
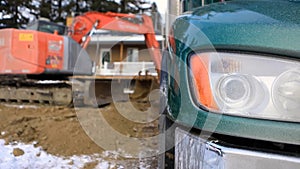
{"x": 84, "y": 26}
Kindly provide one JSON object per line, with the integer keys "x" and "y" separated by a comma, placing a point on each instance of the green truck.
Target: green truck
{"x": 230, "y": 85}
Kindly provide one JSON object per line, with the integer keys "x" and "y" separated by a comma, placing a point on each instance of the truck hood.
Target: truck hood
{"x": 264, "y": 26}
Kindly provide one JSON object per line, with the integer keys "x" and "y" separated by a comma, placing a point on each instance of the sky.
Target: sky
{"x": 161, "y": 5}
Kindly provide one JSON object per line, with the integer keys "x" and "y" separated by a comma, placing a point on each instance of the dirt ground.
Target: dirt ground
{"x": 66, "y": 131}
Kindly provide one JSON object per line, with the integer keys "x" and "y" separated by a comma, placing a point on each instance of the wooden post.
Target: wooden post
{"x": 121, "y": 55}
{"x": 121, "y": 51}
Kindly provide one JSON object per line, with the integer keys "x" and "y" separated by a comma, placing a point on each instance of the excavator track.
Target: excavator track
{"x": 76, "y": 91}
{"x": 20, "y": 90}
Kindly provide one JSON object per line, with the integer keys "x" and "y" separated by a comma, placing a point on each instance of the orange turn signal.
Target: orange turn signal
{"x": 200, "y": 75}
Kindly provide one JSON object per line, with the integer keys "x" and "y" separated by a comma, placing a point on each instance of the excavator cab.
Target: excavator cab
{"x": 48, "y": 27}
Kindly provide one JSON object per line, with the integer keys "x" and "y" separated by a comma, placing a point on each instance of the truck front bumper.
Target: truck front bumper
{"x": 191, "y": 151}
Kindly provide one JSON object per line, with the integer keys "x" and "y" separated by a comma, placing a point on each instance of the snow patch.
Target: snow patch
{"x": 37, "y": 158}
{"x": 49, "y": 81}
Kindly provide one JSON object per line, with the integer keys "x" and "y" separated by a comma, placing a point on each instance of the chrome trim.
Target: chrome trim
{"x": 191, "y": 151}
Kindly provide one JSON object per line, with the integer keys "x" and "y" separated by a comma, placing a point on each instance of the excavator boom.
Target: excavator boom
{"x": 89, "y": 21}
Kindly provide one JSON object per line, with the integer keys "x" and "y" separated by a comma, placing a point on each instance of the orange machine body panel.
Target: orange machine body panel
{"x": 29, "y": 52}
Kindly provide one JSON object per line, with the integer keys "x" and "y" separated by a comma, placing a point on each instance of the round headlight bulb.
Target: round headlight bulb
{"x": 286, "y": 92}
{"x": 234, "y": 91}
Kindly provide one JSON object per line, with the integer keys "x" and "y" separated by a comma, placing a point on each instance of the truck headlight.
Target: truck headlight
{"x": 234, "y": 90}
{"x": 286, "y": 92}
{"x": 247, "y": 85}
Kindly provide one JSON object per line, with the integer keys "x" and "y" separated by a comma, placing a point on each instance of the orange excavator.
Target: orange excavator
{"x": 36, "y": 64}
